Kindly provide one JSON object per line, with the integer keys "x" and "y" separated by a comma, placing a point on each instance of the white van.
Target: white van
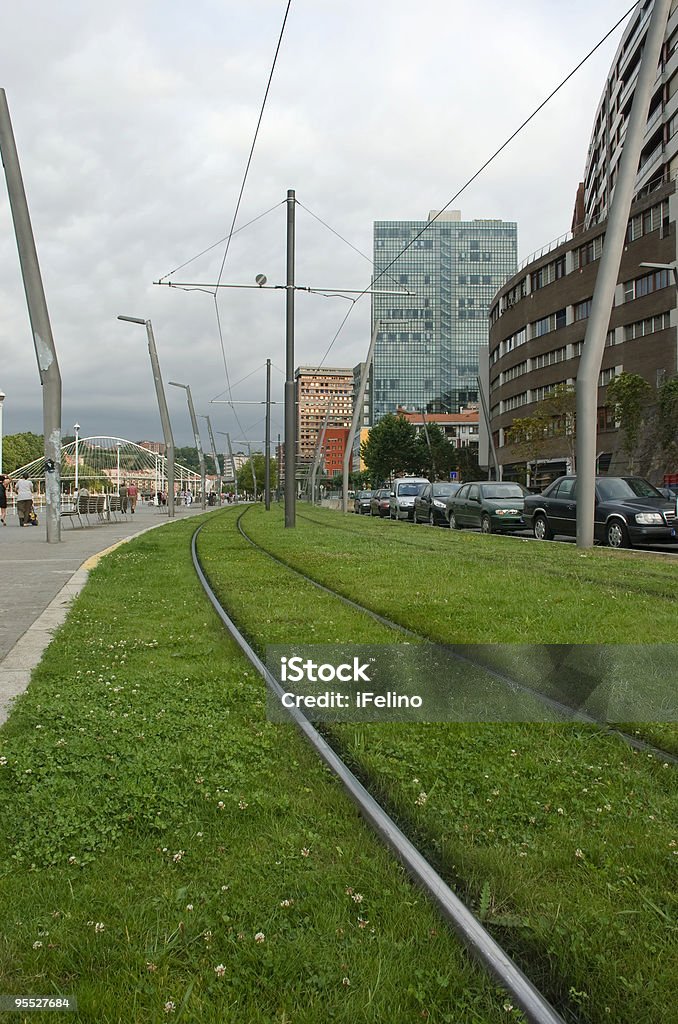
{"x": 403, "y": 493}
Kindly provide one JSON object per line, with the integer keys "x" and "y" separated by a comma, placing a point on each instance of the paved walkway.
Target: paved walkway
{"x": 39, "y": 581}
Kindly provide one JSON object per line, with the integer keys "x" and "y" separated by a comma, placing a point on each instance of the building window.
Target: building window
{"x": 552, "y": 322}
{"x": 644, "y": 285}
{"x": 582, "y": 309}
{"x": 650, "y": 325}
{"x": 588, "y": 253}
{"x": 548, "y": 358}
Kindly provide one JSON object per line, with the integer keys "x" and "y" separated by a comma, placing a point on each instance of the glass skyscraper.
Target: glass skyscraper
{"x": 426, "y": 355}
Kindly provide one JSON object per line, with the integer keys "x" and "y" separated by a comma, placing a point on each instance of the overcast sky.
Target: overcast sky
{"x": 134, "y": 121}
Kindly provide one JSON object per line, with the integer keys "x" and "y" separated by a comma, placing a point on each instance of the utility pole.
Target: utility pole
{"x": 162, "y": 408}
{"x": 317, "y": 455}
{"x": 48, "y": 366}
{"x": 591, "y": 359}
{"x": 267, "y": 444}
{"x": 290, "y": 408}
{"x": 357, "y": 413}
{"x": 196, "y": 434}
{"x": 254, "y": 475}
{"x": 214, "y": 455}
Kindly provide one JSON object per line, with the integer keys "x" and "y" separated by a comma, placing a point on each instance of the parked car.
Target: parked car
{"x": 495, "y": 506}
{"x": 361, "y": 502}
{"x": 628, "y": 510}
{"x": 380, "y": 502}
{"x": 402, "y": 496}
{"x": 431, "y": 504}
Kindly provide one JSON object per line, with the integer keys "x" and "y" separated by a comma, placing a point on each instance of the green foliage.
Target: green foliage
{"x": 391, "y": 448}
{"x": 188, "y": 458}
{"x": 630, "y": 394}
{"x": 667, "y": 423}
{"x": 20, "y": 449}
{"x": 437, "y": 455}
{"x": 258, "y": 461}
{"x": 528, "y": 436}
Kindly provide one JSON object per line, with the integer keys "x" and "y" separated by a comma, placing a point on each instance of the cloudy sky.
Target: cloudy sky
{"x": 134, "y": 121}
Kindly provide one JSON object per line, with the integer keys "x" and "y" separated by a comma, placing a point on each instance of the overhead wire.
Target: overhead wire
{"x": 483, "y": 167}
{"x": 237, "y": 209}
{"x": 227, "y": 238}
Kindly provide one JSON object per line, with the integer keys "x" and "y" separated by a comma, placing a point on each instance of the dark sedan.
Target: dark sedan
{"x": 495, "y": 506}
{"x": 628, "y": 511}
{"x": 380, "y": 502}
{"x": 361, "y": 502}
{"x": 431, "y": 504}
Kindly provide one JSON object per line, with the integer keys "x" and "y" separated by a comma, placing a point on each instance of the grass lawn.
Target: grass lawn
{"x": 560, "y": 836}
{"x": 168, "y": 854}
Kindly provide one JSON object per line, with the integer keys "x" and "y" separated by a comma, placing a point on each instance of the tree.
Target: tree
{"x": 528, "y": 435}
{"x": 437, "y": 455}
{"x": 391, "y": 448}
{"x": 258, "y": 460}
{"x": 631, "y": 396}
{"x": 20, "y": 449}
{"x": 561, "y": 406}
{"x": 667, "y": 425}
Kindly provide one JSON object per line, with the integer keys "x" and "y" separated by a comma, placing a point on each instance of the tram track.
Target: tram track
{"x": 515, "y": 685}
{"x": 493, "y": 957}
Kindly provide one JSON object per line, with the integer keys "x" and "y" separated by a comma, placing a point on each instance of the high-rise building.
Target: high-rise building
{"x": 426, "y": 355}
{"x": 317, "y": 389}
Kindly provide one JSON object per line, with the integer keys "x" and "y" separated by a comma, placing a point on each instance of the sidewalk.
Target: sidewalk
{"x": 39, "y": 581}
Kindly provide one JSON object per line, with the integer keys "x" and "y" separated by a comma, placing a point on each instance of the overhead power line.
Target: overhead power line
{"x": 482, "y": 168}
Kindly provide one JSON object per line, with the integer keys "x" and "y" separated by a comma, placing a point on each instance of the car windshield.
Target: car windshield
{"x": 444, "y": 490}
{"x": 501, "y": 491}
{"x": 364, "y": 494}
{"x": 409, "y": 490}
{"x": 620, "y": 488}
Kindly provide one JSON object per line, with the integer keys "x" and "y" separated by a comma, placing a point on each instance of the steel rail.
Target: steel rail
{"x": 534, "y": 1005}
{"x": 515, "y": 685}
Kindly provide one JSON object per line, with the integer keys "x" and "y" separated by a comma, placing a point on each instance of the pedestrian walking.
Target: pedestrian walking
{"x": 24, "y": 499}
{"x": 3, "y": 500}
{"x": 124, "y": 491}
{"x": 132, "y": 494}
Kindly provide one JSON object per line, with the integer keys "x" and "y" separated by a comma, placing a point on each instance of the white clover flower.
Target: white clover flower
{"x": 99, "y": 927}
{"x": 37, "y": 945}
{"x": 259, "y": 937}
{"x": 357, "y": 897}
{"x": 345, "y": 982}
{"x": 579, "y": 854}
{"x": 169, "y": 1006}
{"x": 305, "y": 852}
{"x": 189, "y": 906}
{"x": 220, "y": 970}
{"x": 178, "y": 855}
{"x": 421, "y": 799}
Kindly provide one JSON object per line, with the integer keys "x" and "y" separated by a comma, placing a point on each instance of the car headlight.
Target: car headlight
{"x": 649, "y": 518}
{"x": 506, "y": 511}
{"x": 438, "y": 504}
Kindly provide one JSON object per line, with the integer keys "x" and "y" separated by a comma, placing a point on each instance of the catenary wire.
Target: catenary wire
{"x": 485, "y": 166}
{"x": 226, "y": 238}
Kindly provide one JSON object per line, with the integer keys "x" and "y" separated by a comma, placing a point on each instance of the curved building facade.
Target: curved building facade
{"x": 659, "y": 156}
{"x": 538, "y": 321}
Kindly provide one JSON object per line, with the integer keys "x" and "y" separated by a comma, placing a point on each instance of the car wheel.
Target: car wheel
{"x": 454, "y": 525}
{"x": 616, "y": 534}
{"x": 486, "y": 524}
{"x": 541, "y": 529}
{"x": 431, "y": 519}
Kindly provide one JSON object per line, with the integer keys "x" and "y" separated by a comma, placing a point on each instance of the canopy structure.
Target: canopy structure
{"x": 105, "y": 462}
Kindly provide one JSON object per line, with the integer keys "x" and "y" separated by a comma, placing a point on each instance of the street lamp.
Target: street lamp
{"x": 2, "y": 399}
{"x": 76, "y": 428}
{"x": 118, "y": 445}
{"x": 196, "y": 433}
{"x": 162, "y": 407}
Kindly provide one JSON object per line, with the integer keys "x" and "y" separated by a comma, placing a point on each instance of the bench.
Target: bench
{"x": 95, "y": 505}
